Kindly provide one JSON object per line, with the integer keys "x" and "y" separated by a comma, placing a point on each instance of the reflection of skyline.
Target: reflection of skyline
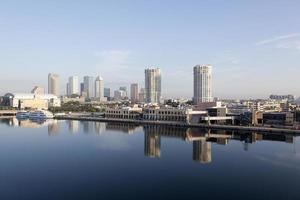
{"x": 73, "y": 126}
{"x": 53, "y": 128}
{"x": 202, "y": 151}
{"x": 125, "y": 128}
{"x": 100, "y": 128}
{"x": 201, "y": 140}
{"x": 152, "y": 143}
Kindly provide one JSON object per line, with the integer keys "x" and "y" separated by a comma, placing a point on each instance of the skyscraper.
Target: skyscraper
{"x": 53, "y": 84}
{"x": 134, "y": 92}
{"x": 202, "y": 84}
{"x": 99, "y": 88}
{"x": 73, "y": 85}
{"x": 153, "y": 85}
{"x": 89, "y": 86}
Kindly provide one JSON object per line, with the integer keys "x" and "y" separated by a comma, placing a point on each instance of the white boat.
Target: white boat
{"x": 22, "y": 115}
{"x": 40, "y": 114}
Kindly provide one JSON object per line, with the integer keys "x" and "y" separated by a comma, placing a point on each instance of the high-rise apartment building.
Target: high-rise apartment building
{"x": 153, "y": 85}
{"x": 202, "y": 84}
{"x": 73, "y": 85}
{"x": 89, "y": 83}
{"x": 134, "y": 92}
{"x": 53, "y": 84}
{"x": 99, "y": 88}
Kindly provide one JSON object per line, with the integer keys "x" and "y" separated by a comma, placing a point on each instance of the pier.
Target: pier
{"x": 182, "y": 124}
{"x": 8, "y": 112}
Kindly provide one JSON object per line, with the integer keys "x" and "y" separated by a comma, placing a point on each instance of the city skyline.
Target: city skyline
{"x": 248, "y": 43}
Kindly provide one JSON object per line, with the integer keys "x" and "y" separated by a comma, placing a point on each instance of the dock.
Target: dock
{"x": 182, "y": 124}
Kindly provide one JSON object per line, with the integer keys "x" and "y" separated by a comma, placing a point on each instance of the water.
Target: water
{"x": 93, "y": 160}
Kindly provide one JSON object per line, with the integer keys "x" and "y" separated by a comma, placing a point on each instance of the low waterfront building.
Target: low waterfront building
{"x": 278, "y": 118}
{"x": 32, "y": 101}
{"x": 172, "y": 114}
{"x": 124, "y": 113}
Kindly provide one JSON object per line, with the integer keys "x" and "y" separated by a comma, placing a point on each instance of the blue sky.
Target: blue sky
{"x": 254, "y": 46}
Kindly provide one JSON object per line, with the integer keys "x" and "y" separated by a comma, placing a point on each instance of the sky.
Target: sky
{"x": 253, "y": 46}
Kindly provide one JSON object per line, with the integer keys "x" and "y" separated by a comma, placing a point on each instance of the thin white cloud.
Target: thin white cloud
{"x": 277, "y": 39}
{"x": 113, "y": 58}
{"x": 289, "y": 45}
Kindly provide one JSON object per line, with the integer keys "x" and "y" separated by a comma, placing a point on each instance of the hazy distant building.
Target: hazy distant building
{"x": 288, "y": 97}
{"x": 38, "y": 90}
{"x": 153, "y": 85}
{"x": 142, "y": 95}
{"x": 119, "y": 95}
{"x": 107, "y": 92}
{"x": 124, "y": 89}
{"x": 99, "y": 88}
{"x": 53, "y": 84}
{"x": 134, "y": 92}
{"x": 81, "y": 88}
{"x": 202, "y": 84}
{"x": 68, "y": 89}
{"x": 89, "y": 86}
{"x": 73, "y": 85}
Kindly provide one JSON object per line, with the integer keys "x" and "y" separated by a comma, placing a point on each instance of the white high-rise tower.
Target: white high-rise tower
{"x": 202, "y": 84}
{"x": 73, "y": 85}
{"x": 153, "y": 85}
{"x": 99, "y": 88}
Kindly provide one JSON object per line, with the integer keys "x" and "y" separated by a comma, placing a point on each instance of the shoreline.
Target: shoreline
{"x": 180, "y": 124}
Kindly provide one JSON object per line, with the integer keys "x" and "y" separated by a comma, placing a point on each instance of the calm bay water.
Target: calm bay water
{"x": 93, "y": 160}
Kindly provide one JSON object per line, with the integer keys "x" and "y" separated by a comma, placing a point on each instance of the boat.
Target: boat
{"x": 22, "y": 115}
{"x": 40, "y": 115}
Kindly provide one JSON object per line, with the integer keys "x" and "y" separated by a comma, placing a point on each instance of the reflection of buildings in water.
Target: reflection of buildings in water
{"x": 203, "y": 139}
{"x": 152, "y": 145}
{"x": 124, "y": 127}
{"x": 202, "y": 151}
{"x": 100, "y": 127}
{"x": 87, "y": 127}
{"x": 53, "y": 128}
{"x": 73, "y": 126}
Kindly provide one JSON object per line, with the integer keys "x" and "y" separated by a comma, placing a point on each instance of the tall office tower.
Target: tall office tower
{"x": 107, "y": 92}
{"x": 89, "y": 86}
{"x": 134, "y": 92}
{"x": 202, "y": 151}
{"x": 81, "y": 88}
{"x": 153, "y": 85}
{"x": 202, "y": 84}
{"x": 99, "y": 87}
{"x": 73, "y": 85}
{"x": 53, "y": 84}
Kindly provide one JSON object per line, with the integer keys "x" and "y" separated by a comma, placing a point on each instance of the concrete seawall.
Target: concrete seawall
{"x": 181, "y": 124}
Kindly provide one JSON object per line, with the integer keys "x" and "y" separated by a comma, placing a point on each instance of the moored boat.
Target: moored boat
{"x": 22, "y": 115}
{"x": 41, "y": 114}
